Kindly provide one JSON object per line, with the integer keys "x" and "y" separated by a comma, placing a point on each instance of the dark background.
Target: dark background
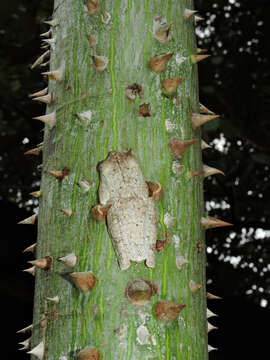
{"x": 234, "y": 83}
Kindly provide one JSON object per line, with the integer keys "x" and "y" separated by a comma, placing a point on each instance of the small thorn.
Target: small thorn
{"x": 93, "y": 7}
{"x": 204, "y": 145}
{"x": 46, "y": 34}
{"x": 40, "y": 59}
{"x": 194, "y": 287}
{"x": 84, "y": 281}
{"x": 89, "y": 353}
{"x": 25, "y": 344}
{"x": 84, "y": 185}
{"x": 43, "y": 263}
{"x": 167, "y": 311}
{"x": 199, "y": 50}
{"x": 39, "y": 93}
{"x": 198, "y": 19}
{"x": 51, "y": 42}
{"x": 24, "y": 330}
{"x": 180, "y": 261}
{"x": 208, "y": 171}
{"x": 188, "y": 13}
{"x": 59, "y": 175}
{"x": 159, "y": 63}
{"x": 195, "y": 58}
{"x": 198, "y": 120}
{"x": 54, "y": 299}
{"x": 57, "y": 75}
{"x": 36, "y": 194}
{"x": 85, "y": 117}
{"x": 211, "y": 348}
{"x": 67, "y": 212}
{"x": 210, "y": 327}
{"x": 31, "y": 270}
{"x": 205, "y": 110}
{"x": 38, "y": 351}
{"x": 178, "y": 147}
{"x": 69, "y": 260}
{"x": 29, "y": 221}
{"x": 48, "y": 119}
{"x": 144, "y": 110}
{"x": 155, "y": 190}
{"x": 35, "y": 151}
{"x": 211, "y": 222}
{"x": 209, "y": 314}
{"x": 92, "y": 41}
{"x": 170, "y": 85}
{"x": 105, "y": 17}
{"x": 30, "y": 248}
{"x": 133, "y": 90}
{"x": 44, "y": 47}
{"x": 212, "y": 296}
{"x": 99, "y": 212}
{"x": 196, "y": 173}
{"x": 53, "y": 22}
{"x": 100, "y": 62}
{"x": 161, "y": 29}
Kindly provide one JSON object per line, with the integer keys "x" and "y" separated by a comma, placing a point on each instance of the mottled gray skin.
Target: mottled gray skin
{"x": 131, "y": 219}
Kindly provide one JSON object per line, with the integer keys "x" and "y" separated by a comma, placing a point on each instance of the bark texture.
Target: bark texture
{"x": 104, "y": 318}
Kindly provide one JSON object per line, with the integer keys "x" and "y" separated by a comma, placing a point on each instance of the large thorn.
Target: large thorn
{"x": 29, "y": 221}
{"x": 44, "y": 263}
{"x": 40, "y": 59}
{"x": 195, "y": 58}
{"x": 198, "y": 120}
{"x": 204, "y": 145}
{"x": 38, "y": 351}
{"x": 158, "y": 63}
{"x": 178, "y": 147}
{"x": 170, "y": 85}
{"x": 188, "y": 13}
{"x": 48, "y": 119}
{"x": 40, "y": 93}
{"x": 31, "y": 270}
{"x": 46, "y": 34}
{"x": 212, "y": 296}
{"x": 30, "y": 248}
{"x": 53, "y": 22}
{"x": 205, "y": 110}
{"x": 211, "y": 222}
{"x": 208, "y": 171}
{"x": 57, "y": 75}
{"x": 26, "y": 329}
{"x": 46, "y": 99}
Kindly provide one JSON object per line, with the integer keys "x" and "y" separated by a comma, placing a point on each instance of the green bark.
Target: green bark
{"x": 104, "y": 318}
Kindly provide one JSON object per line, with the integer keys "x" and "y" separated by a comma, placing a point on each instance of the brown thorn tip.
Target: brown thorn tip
{"x": 99, "y": 212}
{"x": 158, "y": 63}
{"x": 35, "y": 151}
{"x": 93, "y": 7}
{"x": 43, "y": 263}
{"x": 84, "y": 281}
{"x": 170, "y": 85}
{"x": 89, "y": 353}
{"x": 29, "y": 221}
{"x": 194, "y": 287}
{"x": 139, "y": 291}
{"x": 167, "y": 311}
{"x": 211, "y": 222}
{"x": 30, "y": 248}
{"x": 144, "y": 110}
{"x": 155, "y": 190}
{"x": 195, "y": 58}
{"x": 198, "y": 120}
{"x": 212, "y": 296}
{"x": 59, "y": 175}
{"x": 178, "y": 147}
{"x": 208, "y": 171}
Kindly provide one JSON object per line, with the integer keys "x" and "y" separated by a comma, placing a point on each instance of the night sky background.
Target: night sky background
{"x": 234, "y": 83}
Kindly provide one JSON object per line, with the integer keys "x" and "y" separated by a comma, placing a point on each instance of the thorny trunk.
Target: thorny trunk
{"x": 110, "y": 317}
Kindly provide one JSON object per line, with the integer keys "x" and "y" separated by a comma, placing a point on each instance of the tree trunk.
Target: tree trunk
{"x": 119, "y": 317}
